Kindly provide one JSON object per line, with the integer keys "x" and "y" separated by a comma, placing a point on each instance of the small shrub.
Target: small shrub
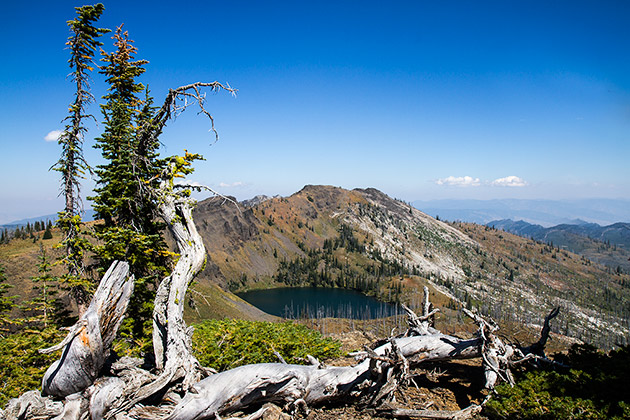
{"x": 594, "y": 388}
{"x": 225, "y": 344}
{"x": 21, "y": 365}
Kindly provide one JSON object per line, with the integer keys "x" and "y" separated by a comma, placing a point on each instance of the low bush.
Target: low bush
{"x": 594, "y": 387}
{"x": 21, "y": 365}
{"x": 228, "y": 343}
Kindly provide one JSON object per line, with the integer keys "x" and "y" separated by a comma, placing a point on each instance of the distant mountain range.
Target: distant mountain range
{"x": 87, "y": 216}
{"x": 546, "y": 213}
{"x": 607, "y": 245}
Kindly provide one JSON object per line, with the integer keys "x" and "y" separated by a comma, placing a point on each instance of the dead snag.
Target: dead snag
{"x": 87, "y": 345}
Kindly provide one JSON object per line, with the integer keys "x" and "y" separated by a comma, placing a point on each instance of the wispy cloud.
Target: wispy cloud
{"x": 53, "y": 135}
{"x": 232, "y": 185}
{"x": 180, "y": 181}
{"x": 459, "y": 181}
{"x": 509, "y": 181}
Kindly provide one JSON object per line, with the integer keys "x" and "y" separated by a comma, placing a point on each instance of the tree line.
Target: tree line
{"x": 324, "y": 267}
{"x": 28, "y": 231}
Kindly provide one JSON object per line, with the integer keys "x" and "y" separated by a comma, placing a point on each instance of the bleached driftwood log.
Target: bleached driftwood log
{"x": 369, "y": 383}
{"x": 87, "y": 345}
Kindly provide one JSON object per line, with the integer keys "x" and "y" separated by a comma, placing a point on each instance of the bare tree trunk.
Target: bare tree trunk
{"x": 172, "y": 339}
{"x": 87, "y": 344}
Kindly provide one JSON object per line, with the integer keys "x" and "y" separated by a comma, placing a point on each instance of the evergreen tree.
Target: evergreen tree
{"x": 40, "y": 311}
{"x": 47, "y": 233}
{"x": 130, "y": 231}
{"x": 82, "y": 44}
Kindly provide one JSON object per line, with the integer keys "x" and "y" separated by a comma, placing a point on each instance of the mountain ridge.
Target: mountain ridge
{"x": 608, "y": 245}
{"x": 543, "y": 212}
{"x": 344, "y": 237}
{"x": 363, "y": 239}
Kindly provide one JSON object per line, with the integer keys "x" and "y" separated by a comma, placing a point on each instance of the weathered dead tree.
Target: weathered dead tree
{"x": 172, "y": 339}
{"x": 371, "y": 382}
{"x": 87, "y": 344}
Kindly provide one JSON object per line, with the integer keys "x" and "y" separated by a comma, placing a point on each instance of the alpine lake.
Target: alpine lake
{"x": 318, "y": 302}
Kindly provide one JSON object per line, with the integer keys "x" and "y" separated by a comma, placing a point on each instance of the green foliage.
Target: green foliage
{"x": 77, "y": 247}
{"x": 225, "y": 344}
{"x": 6, "y": 302}
{"x": 47, "y": 234}
{"x": 360, "y": 270}
{"x": 45, "y": 309}
{"x": 21, "y": 365}
{"x": 594, "y": 388}
{"x": 82, "y": 43}
{"x": 130, "y": 231}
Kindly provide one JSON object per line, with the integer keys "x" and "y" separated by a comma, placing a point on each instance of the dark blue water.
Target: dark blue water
{"x": 318, "y": 302}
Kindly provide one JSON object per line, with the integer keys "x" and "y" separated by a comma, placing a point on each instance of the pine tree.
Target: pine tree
{"x": 41, "y": 310}
{"x": 47, "y": 233}
{"x": 82, "y": 44}
{"x": 130, "y": 231}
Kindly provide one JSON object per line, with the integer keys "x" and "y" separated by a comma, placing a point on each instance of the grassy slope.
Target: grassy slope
{"x": 20, "y": 258}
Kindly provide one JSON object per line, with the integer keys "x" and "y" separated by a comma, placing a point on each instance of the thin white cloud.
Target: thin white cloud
{"x": 232, "y": 185}
{"x": 509, "y": 181}
{"x": 459, "y": 181}
{"x": 53, "y": 135}
{"x": 181, "y": 181}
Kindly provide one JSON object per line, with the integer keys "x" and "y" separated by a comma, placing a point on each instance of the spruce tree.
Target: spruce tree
{"x": 42, "y": 311}
{"x": 130, "y": 231}
{"x": 82, "y": 43}
{"x": 47, "y": 233}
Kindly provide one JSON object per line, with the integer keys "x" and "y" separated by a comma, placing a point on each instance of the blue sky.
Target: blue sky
{"x": 423, "y": 100}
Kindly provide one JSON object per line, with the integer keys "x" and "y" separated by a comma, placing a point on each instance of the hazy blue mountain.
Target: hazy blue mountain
{"x": 608, "y": 245}
{"x": 546, "y": 213}
{"x": 87, "y": 216}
